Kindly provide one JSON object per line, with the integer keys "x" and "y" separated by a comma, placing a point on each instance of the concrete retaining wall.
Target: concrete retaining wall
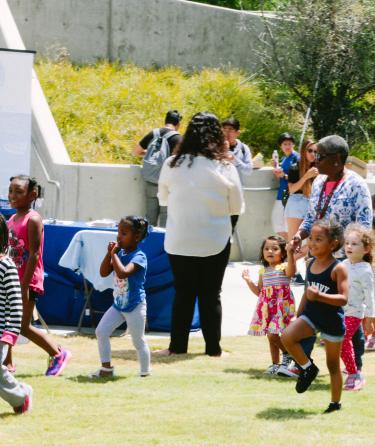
{"x": 146, "y": 32}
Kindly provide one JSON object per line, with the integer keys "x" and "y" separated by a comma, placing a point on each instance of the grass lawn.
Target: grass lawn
{"x": 189, "y": 400}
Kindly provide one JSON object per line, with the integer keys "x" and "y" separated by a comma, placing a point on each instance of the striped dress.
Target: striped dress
{"x": 275, "y": 307}
{"x": 10, "y": 302}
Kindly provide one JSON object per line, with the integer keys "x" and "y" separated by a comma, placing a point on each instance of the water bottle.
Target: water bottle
{"x": 275, "y": 159}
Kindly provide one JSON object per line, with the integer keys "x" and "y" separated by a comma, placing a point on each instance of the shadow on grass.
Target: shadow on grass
{"x": 174, "y": 358}
{"x": 29, "y": 375}
{"x": 259, "y": 374}
{"x": 131, "y": 355}
{"x": 83, "y": 379}
{"x": 8, "y": 414}
{"x": 277, "y": 414}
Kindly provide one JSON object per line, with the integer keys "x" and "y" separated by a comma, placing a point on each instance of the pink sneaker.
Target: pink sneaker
{"x": 58, "y": 363}
{"x": 359, "y": 381}
{"x": 28, "y": 403}
{"x": 350, "y": 382}
{"x": 370, "y": 344}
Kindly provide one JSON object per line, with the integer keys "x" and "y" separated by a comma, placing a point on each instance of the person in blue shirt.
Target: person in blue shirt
{"x": 129, "y": 265}
{"x": 286, "y": 143}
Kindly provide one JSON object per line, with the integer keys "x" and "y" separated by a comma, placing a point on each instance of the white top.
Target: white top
{"x": 361, "y": 300}
{"x": 200, "y": 199}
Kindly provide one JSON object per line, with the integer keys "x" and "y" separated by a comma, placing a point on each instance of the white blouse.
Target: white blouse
{"x": 200, "y": 199}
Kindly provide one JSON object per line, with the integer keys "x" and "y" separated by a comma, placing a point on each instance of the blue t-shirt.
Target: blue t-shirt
{"x": 129, "y": 292}
{"x": 285, "y": 164}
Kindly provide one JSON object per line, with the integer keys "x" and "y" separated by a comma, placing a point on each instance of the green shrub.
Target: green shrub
{"x": 103, "y": 110}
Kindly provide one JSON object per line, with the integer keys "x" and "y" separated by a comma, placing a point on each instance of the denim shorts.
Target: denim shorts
{"x": 323, "y": 335}
{"x": 296, "y": 206}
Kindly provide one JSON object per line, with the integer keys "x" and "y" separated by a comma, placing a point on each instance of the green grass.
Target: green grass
{"x": 103, "y": 110}
{"x": 190, "y": 400}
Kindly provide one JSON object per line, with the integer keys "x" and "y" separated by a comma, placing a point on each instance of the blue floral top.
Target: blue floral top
{"x": 350, "y": 202}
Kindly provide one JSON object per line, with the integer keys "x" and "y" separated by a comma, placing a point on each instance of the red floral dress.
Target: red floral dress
{"x": 276, "y": 306}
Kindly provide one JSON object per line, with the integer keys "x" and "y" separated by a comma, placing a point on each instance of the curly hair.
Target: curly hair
{"x": 203, "y": 136}
{"x": 366, "y": 236}
{"x": 282, "y": 244}
{"x": 334, "y": 230}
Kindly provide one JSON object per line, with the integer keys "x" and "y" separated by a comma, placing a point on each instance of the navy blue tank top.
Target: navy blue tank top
{"x": 327, "y": 318}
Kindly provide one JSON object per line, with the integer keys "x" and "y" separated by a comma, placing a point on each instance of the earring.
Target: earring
{"x": 336, "y": 164}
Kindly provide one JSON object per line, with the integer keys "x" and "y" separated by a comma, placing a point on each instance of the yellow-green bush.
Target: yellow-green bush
{"x": 103, "y": 110}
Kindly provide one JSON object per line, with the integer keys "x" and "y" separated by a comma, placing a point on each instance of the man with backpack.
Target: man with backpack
{"x": 238, "y": 153}
{"x": 155, "y": 148}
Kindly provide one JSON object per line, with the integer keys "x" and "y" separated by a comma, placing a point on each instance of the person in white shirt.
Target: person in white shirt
{"x": 202, "y": 191}
{"x": 238, "y": 153}
{"x": 359, "y": 243}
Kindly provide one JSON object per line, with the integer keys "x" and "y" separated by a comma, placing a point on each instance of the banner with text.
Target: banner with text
{"x": 15, "y": 115}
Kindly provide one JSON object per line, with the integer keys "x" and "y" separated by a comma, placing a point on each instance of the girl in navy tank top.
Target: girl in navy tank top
{"x": 321, "y": 309}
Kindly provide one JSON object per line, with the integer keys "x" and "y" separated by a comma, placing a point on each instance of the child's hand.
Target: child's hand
{"x": 290, "y": 248}
{"x": 312, "y": 293}
{"x": 115, "y": 248}
{"x": 110, "y": 247}
{"x": 246, "y": 275}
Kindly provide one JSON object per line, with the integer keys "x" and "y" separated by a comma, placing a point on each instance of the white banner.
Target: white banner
{"x": 15, "y": 115}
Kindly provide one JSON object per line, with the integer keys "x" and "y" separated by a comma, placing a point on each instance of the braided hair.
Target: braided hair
{"x": 32, "y": 184}
{"x": 139, "y": 225}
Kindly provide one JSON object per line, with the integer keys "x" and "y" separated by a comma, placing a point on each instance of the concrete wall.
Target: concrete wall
{"x": 147, "y": 32}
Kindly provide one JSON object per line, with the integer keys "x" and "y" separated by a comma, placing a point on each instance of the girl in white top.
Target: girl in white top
{"x": 359, "y": 243}
{"x": 202, "y": 191}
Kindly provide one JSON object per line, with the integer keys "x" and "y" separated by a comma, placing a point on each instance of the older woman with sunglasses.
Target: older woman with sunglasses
{"x": 336, "y": 192}
{"x": 300, "y": 178}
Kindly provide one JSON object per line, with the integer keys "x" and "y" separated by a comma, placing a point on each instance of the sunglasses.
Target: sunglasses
{"x": 322, "y": 156}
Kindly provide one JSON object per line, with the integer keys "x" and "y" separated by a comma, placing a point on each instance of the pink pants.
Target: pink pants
{"x": 347, "y": 351}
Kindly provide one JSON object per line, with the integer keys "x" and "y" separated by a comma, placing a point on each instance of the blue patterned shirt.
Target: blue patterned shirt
{"x": 350, "y": 202}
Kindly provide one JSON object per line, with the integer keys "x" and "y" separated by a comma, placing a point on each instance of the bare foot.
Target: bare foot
{"x": 165, "y": 352}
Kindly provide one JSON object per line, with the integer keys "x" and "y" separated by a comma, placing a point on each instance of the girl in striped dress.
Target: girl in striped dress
{"x": 275, "y": 307}
{"x": 16, "y": 393}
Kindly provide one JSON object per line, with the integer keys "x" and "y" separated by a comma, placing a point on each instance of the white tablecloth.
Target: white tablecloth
{"x": 85, "y": 254}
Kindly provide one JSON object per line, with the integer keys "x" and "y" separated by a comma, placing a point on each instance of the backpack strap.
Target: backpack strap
{"x": 170, "y": 134}
{"x": 156, "y": 133}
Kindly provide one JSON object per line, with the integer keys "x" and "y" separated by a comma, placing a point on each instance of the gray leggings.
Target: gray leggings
{"x": 11, "y": 390}
{"x": 136, "y": 321}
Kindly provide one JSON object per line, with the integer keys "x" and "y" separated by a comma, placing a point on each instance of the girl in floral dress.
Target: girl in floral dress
{"x": 275, "y": 307}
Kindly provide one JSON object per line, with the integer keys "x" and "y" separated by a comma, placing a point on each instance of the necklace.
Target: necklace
{"x": 321, "y": 212}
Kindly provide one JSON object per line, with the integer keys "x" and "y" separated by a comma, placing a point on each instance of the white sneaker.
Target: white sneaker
{"x": 103, "y": 372}
{"x": 284, "y": 371}
{"x": 28, "y": 403}
{"x": 272, "y": 369}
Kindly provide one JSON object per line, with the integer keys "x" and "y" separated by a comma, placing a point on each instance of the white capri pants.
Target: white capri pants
{"x": 278, "y": 217}
{"x": 136, "y": 321}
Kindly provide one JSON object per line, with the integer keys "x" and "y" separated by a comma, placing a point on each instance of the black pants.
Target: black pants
{"x": 198, "y": 277}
